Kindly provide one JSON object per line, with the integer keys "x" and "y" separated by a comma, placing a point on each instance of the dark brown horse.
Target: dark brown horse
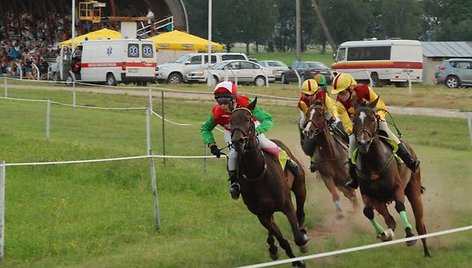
{"x": 266, "y": 187}
{"x": 331, "y": 156}
{"x": 383, "y": 180}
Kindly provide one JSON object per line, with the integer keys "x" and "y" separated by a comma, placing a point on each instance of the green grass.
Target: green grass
{"x": 101, "y": 214}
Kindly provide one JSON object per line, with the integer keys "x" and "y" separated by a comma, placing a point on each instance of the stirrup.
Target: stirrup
{"x": 313, "y": 167}
{"x": 234, "y": 190}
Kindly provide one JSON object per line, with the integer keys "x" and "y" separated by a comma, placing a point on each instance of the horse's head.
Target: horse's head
{"x": 243, "y": 130}
{"x": 365, "y": 125}
{"x": 315, "y": 121}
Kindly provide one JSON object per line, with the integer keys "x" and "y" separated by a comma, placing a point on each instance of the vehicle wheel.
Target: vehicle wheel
{"x": 260, "y": 81}
{"x": 111, "y": 80}
{"x": 175, "y": 78}
{"x": 55, "y": 77}
{"x": 69, "y": 80}
{"x": 283, "y": 78}
{"x": 375, "y": 80}
{"x": 452, "y": 82}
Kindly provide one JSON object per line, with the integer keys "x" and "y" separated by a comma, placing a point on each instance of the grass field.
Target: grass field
{"x": 101, "y": 214}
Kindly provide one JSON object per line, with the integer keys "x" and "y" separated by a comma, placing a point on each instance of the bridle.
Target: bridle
{"x": 245, "y": 140}
{"x": 251, "y": 132}
{"x": 366, "y": 131}
{"x": 317, "y": 129}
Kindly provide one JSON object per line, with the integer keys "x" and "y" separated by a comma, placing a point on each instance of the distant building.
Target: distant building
{"x": 435, "y": 52}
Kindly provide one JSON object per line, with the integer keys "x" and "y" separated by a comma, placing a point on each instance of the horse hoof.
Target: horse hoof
{"x": 387, "y": 235}
{"x": 304, "y": 248}
{"x": 410, "y": 243}
{"x": 298, "y": 264}
{"x": 274, "y": 256}
{"x": 409, "y": 233}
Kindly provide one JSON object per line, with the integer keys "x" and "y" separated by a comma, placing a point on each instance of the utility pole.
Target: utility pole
{"x": 323, "y": 25}
{"x": 298, "y": 30}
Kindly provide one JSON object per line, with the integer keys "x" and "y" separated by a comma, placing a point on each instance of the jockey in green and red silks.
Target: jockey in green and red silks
{"x": 227, "y": 98}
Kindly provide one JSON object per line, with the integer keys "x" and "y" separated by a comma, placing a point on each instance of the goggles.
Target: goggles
{"x": 223, "y": 100}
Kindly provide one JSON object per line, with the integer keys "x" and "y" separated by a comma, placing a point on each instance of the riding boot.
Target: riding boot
{"x": 313, "y": 166}
{"x": 405, "y": 155}
{"x": 352, "y": 183}
{"x": 234, "y": 188}
{"x": 292, "y": 166}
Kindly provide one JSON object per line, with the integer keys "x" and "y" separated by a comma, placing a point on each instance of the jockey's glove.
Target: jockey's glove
{"x": 215, "y": 151}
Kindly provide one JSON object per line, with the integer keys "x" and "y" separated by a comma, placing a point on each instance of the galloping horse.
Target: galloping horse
{"x": 383, "y": 180}
{"x": 265, "y": 186}
{"x": 331, "y": 156}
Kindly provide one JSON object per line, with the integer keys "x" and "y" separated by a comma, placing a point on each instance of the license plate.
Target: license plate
{"x": 133, "y": 70}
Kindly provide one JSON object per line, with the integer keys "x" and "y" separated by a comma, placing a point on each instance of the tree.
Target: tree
{"x": 399, "y": 18}
{"x": 454, "y": 20}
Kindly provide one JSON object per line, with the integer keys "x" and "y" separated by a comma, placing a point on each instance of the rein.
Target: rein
{"x": 247, "y": 137}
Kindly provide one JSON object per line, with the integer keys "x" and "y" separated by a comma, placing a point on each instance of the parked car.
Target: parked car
{"x": 244, "y": 71}
{"x": 278, "y": 67}
{"x": 176, "y": 72}
{"x": 306, "y": 70}
{"x": 454, "y": 73}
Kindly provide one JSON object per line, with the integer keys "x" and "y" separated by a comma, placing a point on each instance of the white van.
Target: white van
{"x": 113, "y": 61}
{"x": 381, "y": 61}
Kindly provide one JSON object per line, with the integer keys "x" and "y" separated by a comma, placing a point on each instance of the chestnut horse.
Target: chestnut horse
{"x": 331, "y": 156}
{"x": 266, "y": 187}
{"x": 383, "y": 180}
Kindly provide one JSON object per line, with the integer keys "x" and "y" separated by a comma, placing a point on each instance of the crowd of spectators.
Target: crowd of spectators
{"x": 30, "y": 44}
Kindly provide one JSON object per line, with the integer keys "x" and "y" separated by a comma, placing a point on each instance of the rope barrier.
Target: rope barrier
{"x": 349, "y": 250}
{"x": 109, "y": 160}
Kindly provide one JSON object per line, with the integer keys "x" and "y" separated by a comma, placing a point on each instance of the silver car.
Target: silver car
{"x": 454, "y": 73}
{"x": 242, "y": 71}
{"x": 278, "y": 67}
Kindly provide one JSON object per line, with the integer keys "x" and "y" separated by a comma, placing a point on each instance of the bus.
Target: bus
{"x": 381, "y": 62}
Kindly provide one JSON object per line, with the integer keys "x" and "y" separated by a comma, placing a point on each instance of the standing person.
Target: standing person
{"x": 312, "y": 92}
{"x": 150, "y": 16}
{"x": 349, "y": 94}
{"x": 227, "y": 99}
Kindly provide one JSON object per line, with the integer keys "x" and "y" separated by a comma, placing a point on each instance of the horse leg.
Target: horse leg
{"x": 299, "y": 236}
{"x": 385, "y": 235}
{"x": 389, "y": 220}
{"x": 273, "y": 250}
{"x": 400, "y": 208}
{"x": 329, "y": 182}
{"x": 268, "y": 222}
{"x": 299, "y": 190}
{"x": 413, "y": 192}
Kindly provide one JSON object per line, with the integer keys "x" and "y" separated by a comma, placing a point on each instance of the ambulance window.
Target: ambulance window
{"x": 133, "y": 50}
{"x": 147, "y": 51}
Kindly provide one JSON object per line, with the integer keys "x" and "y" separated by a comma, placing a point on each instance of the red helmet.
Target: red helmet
{"x": 225, "y": 89}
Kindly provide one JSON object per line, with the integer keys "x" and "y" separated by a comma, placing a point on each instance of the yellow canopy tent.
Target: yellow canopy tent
{"x": 177, "y": 40}
{"x": 102, "y": 34}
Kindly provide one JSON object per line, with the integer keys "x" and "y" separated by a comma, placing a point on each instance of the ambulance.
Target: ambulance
{"x": 394, "y": 61}
{"x": 113, "y": 61}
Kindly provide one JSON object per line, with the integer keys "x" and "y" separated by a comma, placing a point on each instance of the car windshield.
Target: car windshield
{"x": 317, "y": 65}
{"x": 183, "y": 59}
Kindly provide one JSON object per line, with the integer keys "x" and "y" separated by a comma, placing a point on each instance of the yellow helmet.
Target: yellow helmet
{"x": 342, "y": 82}
{"x": 309, "y": 87}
